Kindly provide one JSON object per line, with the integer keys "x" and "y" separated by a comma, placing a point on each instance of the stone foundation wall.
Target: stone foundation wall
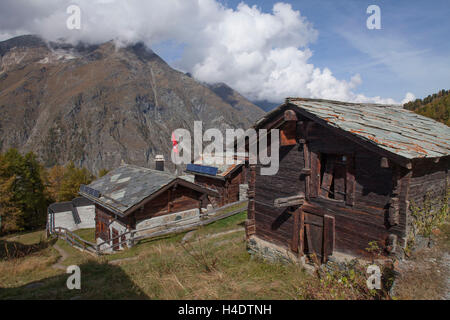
{"x": 243, "y": 189}
{"x": 275, "y": 253}
{"x": 271, "y": 252}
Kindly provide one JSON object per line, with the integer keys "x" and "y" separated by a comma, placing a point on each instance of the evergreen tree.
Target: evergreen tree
{"x": 24, "y": 202}
{"x": 10, "y": 214}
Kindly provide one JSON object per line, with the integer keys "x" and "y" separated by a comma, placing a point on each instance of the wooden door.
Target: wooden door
{"x": 313, "y": 239}
{"x": 116, "y": 240}
{"x": 313, "y": 235}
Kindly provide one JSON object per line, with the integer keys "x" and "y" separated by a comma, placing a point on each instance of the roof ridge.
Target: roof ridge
{"x": 148, "y": 169}
{"x": 344, "y": 103}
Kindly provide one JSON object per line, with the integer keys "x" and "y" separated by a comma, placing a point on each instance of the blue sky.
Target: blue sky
{"x": 308, "y": 48}
{"x": 411, "y": 53}
{"x": 412, "y": 32}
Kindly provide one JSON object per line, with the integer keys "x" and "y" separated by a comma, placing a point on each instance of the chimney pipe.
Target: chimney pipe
{"x": 159, "y": 162}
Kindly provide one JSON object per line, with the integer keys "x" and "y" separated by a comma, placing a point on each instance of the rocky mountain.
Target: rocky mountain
{"x": 267, "y": 105}
{"x": 236, "y": 100}
{"x": 98, "y": 105}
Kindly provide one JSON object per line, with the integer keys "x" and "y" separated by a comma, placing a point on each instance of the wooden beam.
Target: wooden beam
{"x": 305, "y": 171}
{"x": 289, "y": 201}
{"x": 301, "y": 232}
{"x": 307, "y": 168}
{"x": 295, "y": 234}
{"x": 169, "y": 200}
{"x": 384, "y": 163}
{"x": 315, "y": 174}
{"x": 394, "y": 209}
{"x": 328, "y": 237}
{"x": 303, "y": 128}
{"x": 308, "y": 239}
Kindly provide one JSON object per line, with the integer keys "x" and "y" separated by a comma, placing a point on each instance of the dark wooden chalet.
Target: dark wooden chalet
{"x": 131, "y": 197}
{"x": 226, "y": 179}
{"x": 348, "y": 175}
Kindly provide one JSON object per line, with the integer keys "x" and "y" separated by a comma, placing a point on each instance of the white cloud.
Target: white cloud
{"x": 262, "y": 55}
{"x": 409, "y": 97}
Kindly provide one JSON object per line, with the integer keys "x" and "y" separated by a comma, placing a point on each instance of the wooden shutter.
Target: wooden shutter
{"x": 340, "y": 172}
{"x": 327, "y": 177}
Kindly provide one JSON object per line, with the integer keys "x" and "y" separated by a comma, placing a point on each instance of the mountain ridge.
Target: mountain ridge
{"x": 97, "y": 105}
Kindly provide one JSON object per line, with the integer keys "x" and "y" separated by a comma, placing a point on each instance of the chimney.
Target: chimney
{"x": 159, "y": 162}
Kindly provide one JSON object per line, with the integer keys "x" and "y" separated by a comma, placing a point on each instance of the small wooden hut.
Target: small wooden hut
{"x": 229, "y": 180}
{"x": 135, "y": 198}
{"x": 348, "y": 175}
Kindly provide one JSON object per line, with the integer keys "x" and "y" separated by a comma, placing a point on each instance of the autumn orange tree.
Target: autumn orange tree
{"x": 54, "y": 181}
{"x": 64, "y": 182}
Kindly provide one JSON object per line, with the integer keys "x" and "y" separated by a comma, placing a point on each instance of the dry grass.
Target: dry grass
{"x": 206, "y": 268}
{"x": 21, "y": 271}
{"x": 159, "y": 269}
{"x": 167, "y": 271}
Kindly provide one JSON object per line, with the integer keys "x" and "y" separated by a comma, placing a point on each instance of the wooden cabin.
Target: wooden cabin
{"x": 348, "y": 175}
{"x": 229, "y": 180}
{"x": 136, "y": 198}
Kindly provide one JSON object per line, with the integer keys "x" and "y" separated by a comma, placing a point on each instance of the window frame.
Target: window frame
{"x": 317, "y": 175}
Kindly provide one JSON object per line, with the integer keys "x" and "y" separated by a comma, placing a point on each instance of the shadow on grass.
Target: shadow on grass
{"x": 98, "y": 281}
{"x": 14, "y": 250}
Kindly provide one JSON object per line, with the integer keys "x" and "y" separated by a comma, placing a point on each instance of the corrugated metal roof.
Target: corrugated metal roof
{"x": 68, "y": 205}
{"x": 390, "y": 127}
{"x": 128, "y": 185}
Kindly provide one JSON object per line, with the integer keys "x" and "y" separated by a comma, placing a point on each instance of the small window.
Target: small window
{"x": 335, "y": 177}
{"x": 333, "y": 172}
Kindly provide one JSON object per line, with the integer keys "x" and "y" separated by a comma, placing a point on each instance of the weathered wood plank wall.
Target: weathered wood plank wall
{"x": 363, "y": 216}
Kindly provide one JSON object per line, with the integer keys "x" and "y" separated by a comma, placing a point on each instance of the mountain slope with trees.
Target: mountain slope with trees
{"x": 435, "y": 106}
{"x": 27, "y": 188}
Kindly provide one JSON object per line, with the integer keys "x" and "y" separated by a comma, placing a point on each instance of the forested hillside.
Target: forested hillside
{"x": 27, "y": 188}
{"x": 435, "y": 106}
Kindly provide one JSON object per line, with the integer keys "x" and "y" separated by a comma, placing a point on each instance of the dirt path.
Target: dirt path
{"x": 63, "y": 257}
{"x": 118, "y": 261}
{"x": 215, "y": 235}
